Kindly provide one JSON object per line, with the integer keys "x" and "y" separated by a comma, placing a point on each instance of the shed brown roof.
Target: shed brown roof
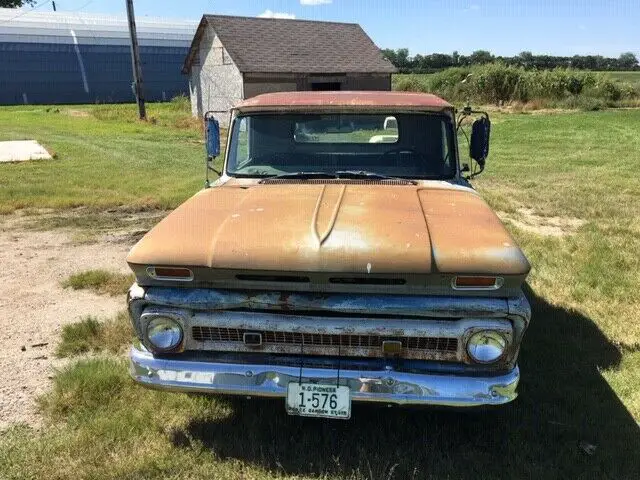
{"x": 269, "y": 45}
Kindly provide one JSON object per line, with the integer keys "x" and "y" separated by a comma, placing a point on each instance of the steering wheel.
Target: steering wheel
{"x": 395, "y": 151}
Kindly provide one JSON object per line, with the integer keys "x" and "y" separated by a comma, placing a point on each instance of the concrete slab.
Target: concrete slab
{"x": 22, "y": 151}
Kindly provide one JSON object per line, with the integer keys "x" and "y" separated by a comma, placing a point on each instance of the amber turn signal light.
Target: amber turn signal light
{"x": 477, "y": 282}
{"x": 170, "y": 273}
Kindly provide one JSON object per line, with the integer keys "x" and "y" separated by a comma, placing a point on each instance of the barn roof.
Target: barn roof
{"x": 42, "y": 27}
{"x": 270, "y": 45}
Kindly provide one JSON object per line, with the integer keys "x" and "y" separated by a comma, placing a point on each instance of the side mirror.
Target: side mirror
{"x": 479, "y": 145}
{"x": 213, "y": 135}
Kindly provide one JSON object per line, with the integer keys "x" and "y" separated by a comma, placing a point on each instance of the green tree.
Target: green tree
{"x": 15, "y": 3}
{"x": 525, "y": 59}
{"x": 481, "y": 57}
{"x": 627, "y": 61}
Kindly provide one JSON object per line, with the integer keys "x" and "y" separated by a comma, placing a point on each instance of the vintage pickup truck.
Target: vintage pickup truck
{"x": 341, "y": 256}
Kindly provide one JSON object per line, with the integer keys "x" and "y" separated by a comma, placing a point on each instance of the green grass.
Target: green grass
{"x": 580, "y": 360}
{"x": 104, "y": 157}
{"x": 92, "y": 335}
{"x": 102, "y": 426}
{"x": 576, "y": 165}
{"x": 630, "y": 77}
{"x": 100, "y": 281}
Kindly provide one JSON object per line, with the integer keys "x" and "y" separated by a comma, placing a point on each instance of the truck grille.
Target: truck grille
{"x": 218, "y": 334}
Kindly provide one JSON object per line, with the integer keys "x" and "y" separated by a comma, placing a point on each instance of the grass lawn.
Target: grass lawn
{"x": 576, "y": 416}
{"x": 104, "y": 157}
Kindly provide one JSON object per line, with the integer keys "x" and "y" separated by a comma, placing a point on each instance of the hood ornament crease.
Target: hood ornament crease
{"x": 334, "y": 215}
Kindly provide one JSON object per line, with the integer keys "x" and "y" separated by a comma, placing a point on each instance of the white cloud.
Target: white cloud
{"x": 269, "y": 14}
{"x": 315, "y": 2}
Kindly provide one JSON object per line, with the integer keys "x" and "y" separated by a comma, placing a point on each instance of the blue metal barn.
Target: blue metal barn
{"x": 61, "y": 57}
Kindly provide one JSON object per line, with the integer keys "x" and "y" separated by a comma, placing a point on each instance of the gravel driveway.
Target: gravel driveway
{"x": 33, "y": 307}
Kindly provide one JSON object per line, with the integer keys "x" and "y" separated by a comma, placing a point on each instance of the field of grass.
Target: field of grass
{"x": 104, "y": 157}
{"x": 579, "y": 403}
{"x": 631, "y": 77}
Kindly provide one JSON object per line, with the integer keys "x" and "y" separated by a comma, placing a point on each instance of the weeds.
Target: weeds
{"x": 496, "y": 83}
{"x": 100, "y": 281}
{"x": 91, "y": 335}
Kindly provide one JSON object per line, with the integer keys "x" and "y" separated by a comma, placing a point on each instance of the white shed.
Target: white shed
{"x": 233, "y": 58}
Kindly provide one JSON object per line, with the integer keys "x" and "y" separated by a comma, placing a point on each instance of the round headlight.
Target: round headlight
{"x": 486, "y": 346}
{"x": 164, "y": 333}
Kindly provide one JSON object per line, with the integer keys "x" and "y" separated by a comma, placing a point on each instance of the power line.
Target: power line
{"x": 83, "y": 6}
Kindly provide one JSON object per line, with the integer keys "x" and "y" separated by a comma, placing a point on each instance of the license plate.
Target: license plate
{"x": 318, "y": 400}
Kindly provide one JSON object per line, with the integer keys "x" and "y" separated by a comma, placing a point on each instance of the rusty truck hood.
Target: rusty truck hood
{"x": 354, "y": 228}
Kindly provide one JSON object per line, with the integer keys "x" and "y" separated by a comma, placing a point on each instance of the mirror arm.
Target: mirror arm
{"x": 475, "y": 174}
{"x": 210, "y": 167}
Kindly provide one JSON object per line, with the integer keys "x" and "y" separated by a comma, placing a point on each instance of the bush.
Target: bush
{"x": 453, "y": 83}
{"x": 498, "y": 83}
{"x": 411, "y": 83}
{"x": 608, "y": 89}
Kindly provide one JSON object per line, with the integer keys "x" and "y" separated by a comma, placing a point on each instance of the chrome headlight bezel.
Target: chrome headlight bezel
{"x": 486, "y": 346}
{"x": 166, "y": 326}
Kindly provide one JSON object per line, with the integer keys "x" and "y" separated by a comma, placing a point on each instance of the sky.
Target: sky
{"x": 504, "y": 27}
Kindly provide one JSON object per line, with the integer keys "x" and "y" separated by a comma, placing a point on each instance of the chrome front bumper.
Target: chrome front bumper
{"x": 264, "y": 380}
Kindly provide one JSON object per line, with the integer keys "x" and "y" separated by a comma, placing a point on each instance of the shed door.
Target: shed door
{"x": 325, "y": 86}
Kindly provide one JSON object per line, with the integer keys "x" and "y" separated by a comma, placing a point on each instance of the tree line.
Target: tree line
{"x": 439, "y": 61}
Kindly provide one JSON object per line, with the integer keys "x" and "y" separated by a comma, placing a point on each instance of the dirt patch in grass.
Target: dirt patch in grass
{"x": 117, "y": 225}
{"x": 526, "y": 219}
{"x": 76, "y": 113}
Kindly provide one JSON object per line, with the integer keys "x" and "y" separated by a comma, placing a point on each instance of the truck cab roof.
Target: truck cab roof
{"x": 345, "y": 100}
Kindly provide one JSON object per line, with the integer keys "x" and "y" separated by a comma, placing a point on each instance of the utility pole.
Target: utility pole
{"x": 53, "y": 4}
{"x": 135, "y": 61}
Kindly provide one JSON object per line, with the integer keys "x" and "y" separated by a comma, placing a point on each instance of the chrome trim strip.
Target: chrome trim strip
{"x": 381, "y": 386}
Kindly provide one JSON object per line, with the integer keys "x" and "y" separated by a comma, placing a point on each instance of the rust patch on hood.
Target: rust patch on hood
{"x": 334, "y": 228}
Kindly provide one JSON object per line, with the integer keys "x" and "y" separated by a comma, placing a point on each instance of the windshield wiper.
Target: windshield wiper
{"x": 301, "y": 175}
{"x": 369, "y": 175}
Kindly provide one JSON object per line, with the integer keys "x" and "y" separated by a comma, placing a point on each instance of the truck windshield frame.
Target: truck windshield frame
{"x": 417, "y": 145}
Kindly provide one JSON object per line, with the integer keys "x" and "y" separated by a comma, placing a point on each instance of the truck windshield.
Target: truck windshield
{"x": 415, "y": 146}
